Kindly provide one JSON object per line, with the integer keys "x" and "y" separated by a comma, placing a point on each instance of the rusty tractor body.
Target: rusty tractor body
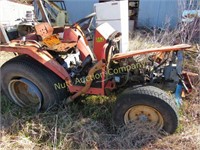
{"x": 57, "y": 63}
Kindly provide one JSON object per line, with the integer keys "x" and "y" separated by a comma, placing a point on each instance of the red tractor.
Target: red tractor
{"x": 49, "y": 69}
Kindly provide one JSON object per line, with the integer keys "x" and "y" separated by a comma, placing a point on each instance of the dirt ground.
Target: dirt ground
{"x": 5, "y": 56}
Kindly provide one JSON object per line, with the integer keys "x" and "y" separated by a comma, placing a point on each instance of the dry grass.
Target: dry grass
{"x": 70, "y": 128}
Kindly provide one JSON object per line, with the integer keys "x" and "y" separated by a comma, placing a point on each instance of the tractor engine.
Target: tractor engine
{"x": 76, "y": 68}
{"x": 159, "y": 69}
{"x": 71, "y": 60}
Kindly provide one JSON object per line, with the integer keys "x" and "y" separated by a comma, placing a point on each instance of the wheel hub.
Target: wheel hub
{"x": 143, "y": 113}
{"x": 25, "y": 93}
{"x": 143, "y": 118}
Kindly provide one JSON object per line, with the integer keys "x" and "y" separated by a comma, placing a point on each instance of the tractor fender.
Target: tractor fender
{"x": 41, "y": 56}
{"x": 119, "y": 56}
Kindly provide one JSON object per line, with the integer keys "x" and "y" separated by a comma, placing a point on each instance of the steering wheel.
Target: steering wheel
{"x": 86, "y": 26}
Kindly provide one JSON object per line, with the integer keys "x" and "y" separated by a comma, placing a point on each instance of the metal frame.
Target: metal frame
{"x": 31, "y": 48}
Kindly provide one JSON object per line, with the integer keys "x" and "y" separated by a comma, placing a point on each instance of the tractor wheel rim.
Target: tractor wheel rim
{"x": 144, "y": 114}
{"x": 25, "y": 93}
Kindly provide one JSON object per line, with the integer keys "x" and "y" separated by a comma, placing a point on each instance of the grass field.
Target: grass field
{"x": 87, "y": 124}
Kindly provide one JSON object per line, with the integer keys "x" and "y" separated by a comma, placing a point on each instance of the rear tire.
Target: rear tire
{"x": 146, "y": 104}
{"x": 29, "y": 84}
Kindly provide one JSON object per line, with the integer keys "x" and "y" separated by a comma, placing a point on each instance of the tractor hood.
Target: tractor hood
{"x": 102, "y": 34}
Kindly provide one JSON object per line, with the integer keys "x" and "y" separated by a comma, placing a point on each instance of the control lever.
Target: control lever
{"x": 183, "y": 82}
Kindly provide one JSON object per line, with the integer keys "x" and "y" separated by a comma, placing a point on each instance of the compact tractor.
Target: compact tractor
{"x": 56, "y": 64}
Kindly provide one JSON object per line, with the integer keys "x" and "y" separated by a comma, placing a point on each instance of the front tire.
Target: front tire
{"x": 29, "y": 84}
{"x": 146, "y": 104}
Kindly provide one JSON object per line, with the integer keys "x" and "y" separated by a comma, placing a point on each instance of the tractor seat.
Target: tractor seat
{"x": 45, "y": 32}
